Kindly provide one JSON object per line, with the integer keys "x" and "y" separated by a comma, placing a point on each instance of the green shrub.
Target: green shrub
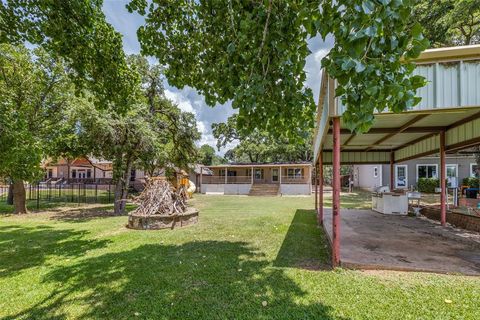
{"x": 428, "y": 185}
{"x": 471, "y": 182}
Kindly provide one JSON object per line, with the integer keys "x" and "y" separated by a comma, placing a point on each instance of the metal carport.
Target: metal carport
{"x": 446, "y": 120}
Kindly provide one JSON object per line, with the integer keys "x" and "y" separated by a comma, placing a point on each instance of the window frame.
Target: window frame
{"x": 375, "y": 172}
{"x": 471, "y": 174}
{"x": 427, "y": 165}
{"x": 455, "y": 165}
{"x": 295, "y": 173}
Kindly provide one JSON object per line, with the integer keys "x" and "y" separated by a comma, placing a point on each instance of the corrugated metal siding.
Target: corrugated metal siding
{"x": 449, "y": 85}
{"x": 322, "y": 127}
{"x": 358, "y": 157}
{"x": 427, "y": 93}
{"x": 464, "y": 132}
{"x": 471, "y": 83}
{"x": 427, "y": 145}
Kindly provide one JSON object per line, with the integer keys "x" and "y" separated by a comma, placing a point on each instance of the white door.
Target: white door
{"x": 401, "y": 176}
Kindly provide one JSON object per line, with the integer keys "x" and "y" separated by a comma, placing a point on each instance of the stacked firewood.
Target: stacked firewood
{"x": 160, "y": 198}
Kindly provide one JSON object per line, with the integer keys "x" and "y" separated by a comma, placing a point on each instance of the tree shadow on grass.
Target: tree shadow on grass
{"x": 195, "y": 280}
{"x": 89, "y": 213}
{"x": 26, "y": 247}
{"x": 305, "y": 245}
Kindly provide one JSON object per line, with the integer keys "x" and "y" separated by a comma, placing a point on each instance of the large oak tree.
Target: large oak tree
{"x": 253, "y": 53}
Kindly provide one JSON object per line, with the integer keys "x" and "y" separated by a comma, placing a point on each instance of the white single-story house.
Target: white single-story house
{"x": 280, "y": 178}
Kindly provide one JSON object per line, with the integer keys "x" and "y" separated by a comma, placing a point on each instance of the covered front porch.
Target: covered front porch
{"x": 289, "y": 178}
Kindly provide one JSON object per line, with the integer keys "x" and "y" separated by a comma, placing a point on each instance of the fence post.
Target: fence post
{"x": 38, "y": 196}
{"x": 71, "y": 192}
{"x": 96, "y": 192}
{"x": 109, "y": 186}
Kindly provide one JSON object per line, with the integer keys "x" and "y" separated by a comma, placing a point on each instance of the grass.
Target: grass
{"x": 84, "y": 264}
{"x": 59, "y": 199}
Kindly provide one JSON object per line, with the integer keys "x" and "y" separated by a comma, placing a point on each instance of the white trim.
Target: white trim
{"x": 470, "y": 174}
{"x": 427, "y": 164}
{"x": 396, "y": 176}
{"x": 451, "y": 165}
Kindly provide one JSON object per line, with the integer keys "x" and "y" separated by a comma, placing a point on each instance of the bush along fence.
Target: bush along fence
{"x": 42, "y": 193}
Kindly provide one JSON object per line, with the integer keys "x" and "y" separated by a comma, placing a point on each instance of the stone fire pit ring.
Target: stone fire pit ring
{"x": 157, "y": 222}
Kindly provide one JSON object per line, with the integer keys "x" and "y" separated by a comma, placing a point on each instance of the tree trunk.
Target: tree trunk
{"x": 10, "y": 194}
{"x": 19, "y": 197}
{"x": 121, "y": 191}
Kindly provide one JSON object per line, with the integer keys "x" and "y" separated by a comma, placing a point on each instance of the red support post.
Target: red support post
{"x": 443, "y": 184}
{"x": 315, "y": 184}
{"x": 392, "y": 173}
{"x": 336, "y": 194}
{"x": 320, "y": 190}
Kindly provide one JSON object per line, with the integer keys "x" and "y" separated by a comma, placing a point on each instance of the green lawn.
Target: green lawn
{"x": 59, "y": 198}
{"x": 84, "y": 264}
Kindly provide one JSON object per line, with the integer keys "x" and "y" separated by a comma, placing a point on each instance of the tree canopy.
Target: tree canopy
{"x": 449, "y": 22}
{"x": 153, "y": 133}
{"x": 253, "y": 53}
{"x": 77, "y": 31}
{"x": 260, "y": 146}
{"x": 207, "y": 156}
{"x": 36, "y": 97}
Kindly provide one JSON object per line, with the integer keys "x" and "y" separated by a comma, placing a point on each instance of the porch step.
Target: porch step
{"x": 264, "y": 189}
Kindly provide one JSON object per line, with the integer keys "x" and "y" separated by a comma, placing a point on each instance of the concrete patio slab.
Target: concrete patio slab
{"x": 370, "y": 240}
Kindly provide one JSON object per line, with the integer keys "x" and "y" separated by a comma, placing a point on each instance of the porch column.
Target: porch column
{"x": 226, "y": 174}
{"x": 201, "y": 180}
{"x": 443, "y": 185}
{"x": 392, "y": 168}
{"x": 320, "y": 190}
{"x": 336, "y": 194}
{"x": 280, "y": 175}
{"x": 251, "y": 176}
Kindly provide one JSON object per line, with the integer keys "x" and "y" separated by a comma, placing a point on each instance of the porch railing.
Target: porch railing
{"x": 248, "y": 180}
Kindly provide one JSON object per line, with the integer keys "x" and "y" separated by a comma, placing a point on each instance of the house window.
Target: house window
{"x": 474, "y": 170}
{"x": 275, "y": 175}
{"x": 89, "y": 173}
{"x": 74, "y": 173}
{"x": 232, "y": 173}
{"x": 401, "y": 176}
{"x": 426, "y": 171}
{"x": 249, "y": 172}
{"x": 375, "y": 172}
{"x": 258, "y": 174}
{"x": 50, "y": 173}
{"x": 222, "y": 172}
{"x": 133, "y": 174}
{"x": 295, "y": 173}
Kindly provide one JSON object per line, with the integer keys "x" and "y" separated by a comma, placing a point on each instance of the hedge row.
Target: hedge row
{"x": 428, "y": 185}
{"x": 471, "y": 182}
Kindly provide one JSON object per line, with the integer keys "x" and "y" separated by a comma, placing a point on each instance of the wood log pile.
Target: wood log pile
{"x": 160, "y": 198}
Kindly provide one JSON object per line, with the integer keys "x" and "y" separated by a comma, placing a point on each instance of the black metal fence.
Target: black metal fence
{"x": 41, "y": 193}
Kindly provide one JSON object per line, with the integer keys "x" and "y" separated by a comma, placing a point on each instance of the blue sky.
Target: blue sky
{"x": 187, "y": 98}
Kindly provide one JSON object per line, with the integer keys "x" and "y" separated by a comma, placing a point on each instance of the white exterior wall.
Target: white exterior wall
{"x": 295, "y": 189}
{"x": 244, "y": 189}
{"x": 363, "y": 176}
